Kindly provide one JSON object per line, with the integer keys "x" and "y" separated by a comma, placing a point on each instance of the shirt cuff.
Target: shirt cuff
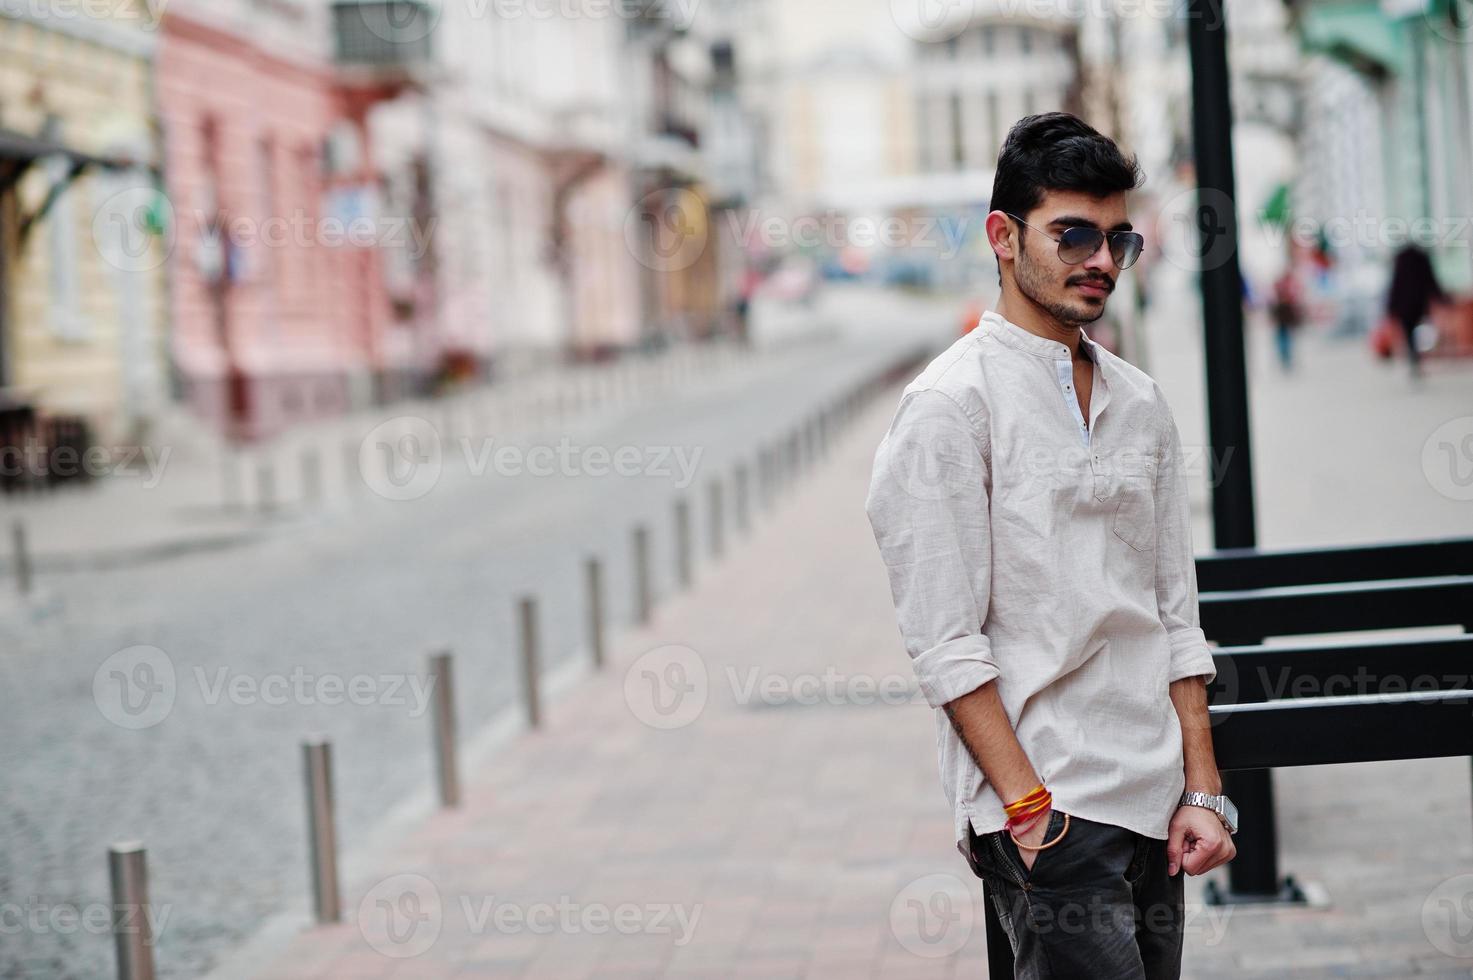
{"x": 1190, "y": 655}
{"x": 954, "y": 668}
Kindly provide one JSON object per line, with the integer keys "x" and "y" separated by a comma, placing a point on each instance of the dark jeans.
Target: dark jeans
{"x": 1099, "y": 904}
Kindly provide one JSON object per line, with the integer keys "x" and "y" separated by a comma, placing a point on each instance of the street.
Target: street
{"x": 267, "y": 640}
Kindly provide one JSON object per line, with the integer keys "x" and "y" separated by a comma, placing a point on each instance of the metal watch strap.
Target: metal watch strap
{"x": 1208, "y": 802}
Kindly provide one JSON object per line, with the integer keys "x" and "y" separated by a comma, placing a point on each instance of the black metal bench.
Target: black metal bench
{"x": 1412, "y": 584}
{"x": 1281, "y": 705}
{"x": 1312, "y": 732}
{"x": 1231, "y": 569}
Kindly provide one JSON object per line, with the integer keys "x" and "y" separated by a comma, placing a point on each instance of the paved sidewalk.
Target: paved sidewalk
{"x": 733, "y": 798}
{"x": 782, "y": 831}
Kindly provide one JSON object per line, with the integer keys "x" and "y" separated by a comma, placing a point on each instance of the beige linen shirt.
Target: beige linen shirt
{"x": 1052, "y": 557}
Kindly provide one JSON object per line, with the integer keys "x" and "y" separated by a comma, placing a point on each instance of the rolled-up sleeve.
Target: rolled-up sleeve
{"x": 928, "y": 504}
{"x": 1176, "y": 566}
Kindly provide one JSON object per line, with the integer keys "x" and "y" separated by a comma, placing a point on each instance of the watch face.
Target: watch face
{"x": 1230, "y": 812}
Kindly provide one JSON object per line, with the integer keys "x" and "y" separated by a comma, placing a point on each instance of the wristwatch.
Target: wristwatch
{"x": 1220, "y": 805}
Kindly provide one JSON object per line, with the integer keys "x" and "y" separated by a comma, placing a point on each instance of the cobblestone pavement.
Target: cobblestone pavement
{"x": 186, "y": 492}
{"x": 325, "y": 628}
{"x": 749, "y": 789}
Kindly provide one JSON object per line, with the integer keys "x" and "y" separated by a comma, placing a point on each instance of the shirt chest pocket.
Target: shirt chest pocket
{"x": 1132, "y": 481}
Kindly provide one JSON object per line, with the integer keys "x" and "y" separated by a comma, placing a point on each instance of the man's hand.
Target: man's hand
{"x": 1197, "y": 842}
{"x": 1033, "y": 837}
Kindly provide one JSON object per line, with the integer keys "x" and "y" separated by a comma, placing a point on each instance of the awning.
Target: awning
{"x": 19, "y": 152}
{"x": 20, "y": 147}
{"x": 1362, "y": 35}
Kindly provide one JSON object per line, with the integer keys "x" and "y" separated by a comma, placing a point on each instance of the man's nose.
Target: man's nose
{"x": 1102, "y": 260}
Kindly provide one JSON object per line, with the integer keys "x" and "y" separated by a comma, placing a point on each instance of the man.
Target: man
{"x": 1031, "y": 509}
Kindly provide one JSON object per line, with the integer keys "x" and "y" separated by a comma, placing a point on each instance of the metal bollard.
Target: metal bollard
{"x": 322, "y": 837}
{"x": 232, "y": 494}
{"x": 127, "y": 865}
{"x": 684, "y": 564}
{"x": 352, "y": 476}
{"x": 265, "y": 486}
{"x": 643, "y": 597}
{"x": 743, "y": 498}
{"x": 594, "y": 575}
{"x": 527, "y": 618}
{"x": 312, "y": 475}
{"x": 718, "y": 543}
{"x": 447, "y": 771}
{"x": 22, "y": 557}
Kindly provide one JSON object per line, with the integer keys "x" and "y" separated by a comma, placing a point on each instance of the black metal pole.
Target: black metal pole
{"x": 1253, "y": 874}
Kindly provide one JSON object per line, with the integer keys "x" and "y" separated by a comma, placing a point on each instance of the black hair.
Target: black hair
{"x": 1056, "y": 151}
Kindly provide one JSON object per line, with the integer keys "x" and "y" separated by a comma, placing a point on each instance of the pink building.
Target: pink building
{"x": 280, "y": 310}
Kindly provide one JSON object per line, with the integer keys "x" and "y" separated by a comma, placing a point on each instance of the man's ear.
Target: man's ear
{"x": 1002, "y": 236}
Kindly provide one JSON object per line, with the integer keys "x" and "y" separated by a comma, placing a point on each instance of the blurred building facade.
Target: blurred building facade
{"x": 883, "y": 118}
{"x": 300, "y": 207}
{"x": 1392, "y": 86}
{"x": 527, "y": 168}
{"x": 279, "y": 308}
{"x": 82, "y": 310}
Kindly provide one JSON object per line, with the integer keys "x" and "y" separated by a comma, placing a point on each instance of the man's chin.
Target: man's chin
{"x": 1086, "y": 311}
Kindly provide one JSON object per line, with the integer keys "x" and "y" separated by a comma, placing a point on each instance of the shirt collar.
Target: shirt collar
{"x": 1015, "y": 336}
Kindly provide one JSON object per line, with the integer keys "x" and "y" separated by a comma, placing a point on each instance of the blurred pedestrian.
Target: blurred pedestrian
{"x": 1414, "y": 289}
{"x": 1287, "y": 312}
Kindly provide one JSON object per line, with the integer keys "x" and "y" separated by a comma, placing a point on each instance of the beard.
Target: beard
{"x": 1034, "y": 282}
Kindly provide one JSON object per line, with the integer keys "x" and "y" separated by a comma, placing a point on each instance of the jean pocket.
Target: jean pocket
{"x": 1012, "y": 854}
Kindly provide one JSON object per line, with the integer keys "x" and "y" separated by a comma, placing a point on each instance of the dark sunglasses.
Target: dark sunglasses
{"x": 1078, "y": 244}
